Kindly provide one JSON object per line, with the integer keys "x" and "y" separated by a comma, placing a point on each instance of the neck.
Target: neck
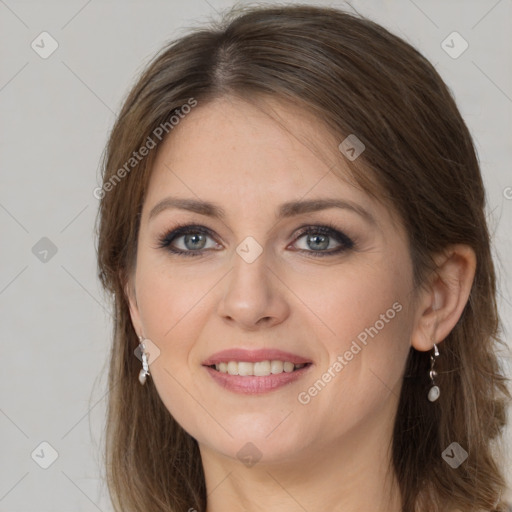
{"x": 353, "y": 474}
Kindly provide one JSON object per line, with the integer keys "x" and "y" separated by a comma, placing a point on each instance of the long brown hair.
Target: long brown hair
{"x": 358, "y": 79}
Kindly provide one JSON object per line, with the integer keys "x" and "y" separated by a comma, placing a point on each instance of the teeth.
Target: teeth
{"x": 245, "y": 368}
{"x": 232, "y": 368}
{"x": 259, "y": 369}
{"x": 276, "y": 366}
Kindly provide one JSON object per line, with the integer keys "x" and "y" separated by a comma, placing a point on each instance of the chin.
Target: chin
{"x": 263, "y": 443}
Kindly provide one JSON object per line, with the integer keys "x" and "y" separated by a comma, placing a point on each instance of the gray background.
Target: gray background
{"x": 55, "y": 117}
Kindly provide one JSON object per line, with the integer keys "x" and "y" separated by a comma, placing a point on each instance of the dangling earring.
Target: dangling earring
{"x": 434, "y": 391}
{"x": 145, "y": 367}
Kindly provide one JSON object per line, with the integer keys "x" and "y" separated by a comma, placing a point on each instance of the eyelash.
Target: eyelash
{"x": 327, "y": 229}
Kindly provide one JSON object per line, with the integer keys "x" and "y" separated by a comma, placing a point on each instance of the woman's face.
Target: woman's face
{"x": 328, "y": 286}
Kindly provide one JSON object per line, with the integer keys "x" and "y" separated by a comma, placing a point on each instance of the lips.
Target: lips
{"x": 257, "y": 380}
{"x": 254, "y": 356}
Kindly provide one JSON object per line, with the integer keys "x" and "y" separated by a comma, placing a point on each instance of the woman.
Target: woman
{"x": 292, "y": 225}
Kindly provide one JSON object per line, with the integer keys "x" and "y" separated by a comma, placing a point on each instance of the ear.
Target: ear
{"x": 442, "y": 300}
{"x": 131, "y": 297}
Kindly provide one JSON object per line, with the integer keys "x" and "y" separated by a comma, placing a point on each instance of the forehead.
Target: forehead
{"x": 252, "y": 156}
{"x": 229, "y": 141}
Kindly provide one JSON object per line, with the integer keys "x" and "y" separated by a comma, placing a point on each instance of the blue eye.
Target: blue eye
{"x": 194, "y": 240}
{"x": 319, "y": 238}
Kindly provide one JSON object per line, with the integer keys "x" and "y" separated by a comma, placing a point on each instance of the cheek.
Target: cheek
{"x": 368, "y": 326}
{"x": 355, "y": 301}
{"x": 365, "y": 359}
{"x": 165, "y": 312}
{"x": 168, "y": 298}
{"x": 171, "y": 315}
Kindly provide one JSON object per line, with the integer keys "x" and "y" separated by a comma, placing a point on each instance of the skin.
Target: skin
{"x": 333, "y": 452}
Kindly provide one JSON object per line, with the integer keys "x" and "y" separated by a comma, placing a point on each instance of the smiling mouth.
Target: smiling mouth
{"x": 257, "y": 369}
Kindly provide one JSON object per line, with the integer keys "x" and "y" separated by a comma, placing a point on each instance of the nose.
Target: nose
{"x": 254, "y": 295}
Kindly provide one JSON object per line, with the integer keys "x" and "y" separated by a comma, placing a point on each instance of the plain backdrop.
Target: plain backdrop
{"x": 56, "y": 113}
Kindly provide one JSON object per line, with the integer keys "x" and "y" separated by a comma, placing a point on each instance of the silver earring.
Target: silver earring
{"x": 145, "y": 367}
{"x": 434, "y": 391}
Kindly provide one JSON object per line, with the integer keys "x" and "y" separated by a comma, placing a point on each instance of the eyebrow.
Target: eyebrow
{"x": 288, "y": 209}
